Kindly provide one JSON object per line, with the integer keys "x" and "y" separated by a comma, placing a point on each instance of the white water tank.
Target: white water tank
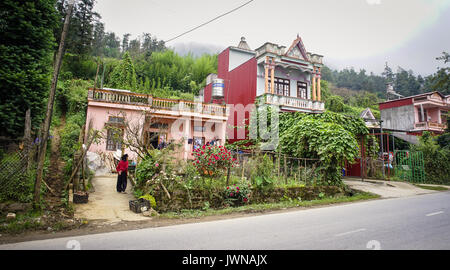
{"x": 218, "y": 86}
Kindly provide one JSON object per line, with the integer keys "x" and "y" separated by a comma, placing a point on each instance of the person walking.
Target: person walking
{"x": 122, "y": 170}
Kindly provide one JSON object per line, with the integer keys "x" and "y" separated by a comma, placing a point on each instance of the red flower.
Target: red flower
{"x": 228, "y": 187}
{"x": 245, "y": 200}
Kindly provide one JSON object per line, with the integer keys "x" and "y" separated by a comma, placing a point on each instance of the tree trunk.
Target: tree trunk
{"x": 51, "y": 100}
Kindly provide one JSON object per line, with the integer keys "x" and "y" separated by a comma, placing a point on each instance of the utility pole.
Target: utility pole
{"x": 51, "y": 100}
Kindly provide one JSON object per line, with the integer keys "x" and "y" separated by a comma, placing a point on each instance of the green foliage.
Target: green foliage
{"x": 330, "y": 137}
{"x": 262, "y": 172}
{"x": 237, "y": 194}
{"x": 335, "y": 103}
{"x": 146, "y": 170}
{"x": 436, "y": 160}
{"x": 166, "y": 69}
{"x": 26, "y": 47}
{"x": 149, "y": 198}
{"x": 124, "y": 75}
{"x": 212, "y": 160}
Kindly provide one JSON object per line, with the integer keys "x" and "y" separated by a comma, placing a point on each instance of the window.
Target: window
{"x": 199, "y": 128}
{"x": 301, "y": 90}
{"x": 282, "y": 86}
{"x": 114, "y": 139}
{"x": 116, "y": 120}
{"x": 159, "y": 126}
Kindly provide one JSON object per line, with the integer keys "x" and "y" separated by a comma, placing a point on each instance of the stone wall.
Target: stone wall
{"x": 196, "y": 199}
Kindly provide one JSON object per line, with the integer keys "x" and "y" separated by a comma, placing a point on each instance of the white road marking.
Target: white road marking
{"x": 350, "y": 232}
{"x": 435, "y": 213}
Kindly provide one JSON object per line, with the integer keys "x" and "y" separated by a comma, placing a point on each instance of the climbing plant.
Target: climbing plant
{"x": 330, "y": 137}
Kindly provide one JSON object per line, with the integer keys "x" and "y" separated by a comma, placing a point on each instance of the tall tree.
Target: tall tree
{"x": 124, "y": 75}
{"x": 125, "y": 42}
{"x": 26, "y": 46}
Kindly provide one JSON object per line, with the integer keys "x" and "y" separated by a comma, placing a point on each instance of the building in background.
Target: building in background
{"x": 271, "y": 74}
{"x": 408, "y": 117}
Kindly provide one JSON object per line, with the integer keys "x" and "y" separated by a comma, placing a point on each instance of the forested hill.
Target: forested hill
{"x": 405, "y": 82}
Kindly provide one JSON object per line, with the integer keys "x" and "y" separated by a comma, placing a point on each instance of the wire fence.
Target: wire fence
{"x": 285, "y": 169}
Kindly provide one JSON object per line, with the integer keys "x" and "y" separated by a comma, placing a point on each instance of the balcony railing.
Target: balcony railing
{"x": 129, "y": 98}
{"x": 430, "y": 126}
{"x": 292, "y": 102}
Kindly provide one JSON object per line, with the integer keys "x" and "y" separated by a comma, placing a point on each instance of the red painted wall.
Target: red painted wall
{"x": 240, "y": 86}
{"x": 395, "y": 103}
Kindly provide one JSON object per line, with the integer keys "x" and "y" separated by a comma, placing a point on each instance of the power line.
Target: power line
{"x": 203, "y": 24}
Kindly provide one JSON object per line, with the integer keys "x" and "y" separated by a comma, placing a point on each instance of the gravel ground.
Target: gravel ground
{"x": 387, "y": 189}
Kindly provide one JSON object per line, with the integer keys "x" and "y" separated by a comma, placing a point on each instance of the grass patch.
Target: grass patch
{"x": 438, "y": 188}
{"x": 255, "y": 208}
{"x": 23, "y": 222}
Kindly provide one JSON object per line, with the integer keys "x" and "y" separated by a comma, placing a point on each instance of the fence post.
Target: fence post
{"x": 278, "y": 161}
{"x": 228, "y": 174}
{"x": 243, "y": 169}
{"x": 285, "y": 168}
{"x": 306, "y": 181}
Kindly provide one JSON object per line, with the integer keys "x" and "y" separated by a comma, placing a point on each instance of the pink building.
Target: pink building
{"x": 157, "y": 120}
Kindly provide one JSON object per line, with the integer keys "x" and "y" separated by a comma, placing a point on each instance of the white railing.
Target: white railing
{"x": 293, "y": 102}
{"x": 129, "y": 98}
{"x": 429, "y": 125}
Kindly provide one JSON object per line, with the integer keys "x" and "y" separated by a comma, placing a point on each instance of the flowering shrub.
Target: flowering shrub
{"x": 237, "y": 194}
{"x": 209, "y": 160}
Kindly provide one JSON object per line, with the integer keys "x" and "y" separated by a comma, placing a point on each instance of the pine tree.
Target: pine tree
{"x": 124, "y": 75}
{"x": 26, "y": 47}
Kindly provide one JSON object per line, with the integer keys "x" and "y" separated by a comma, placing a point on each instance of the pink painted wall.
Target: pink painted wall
{"x": 100, "y": 116}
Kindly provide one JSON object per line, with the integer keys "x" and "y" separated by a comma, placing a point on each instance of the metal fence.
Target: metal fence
{"x": 12, "y": 166}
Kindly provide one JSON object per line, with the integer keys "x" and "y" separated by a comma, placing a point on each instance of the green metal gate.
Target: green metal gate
{"x": 409, "y": 166}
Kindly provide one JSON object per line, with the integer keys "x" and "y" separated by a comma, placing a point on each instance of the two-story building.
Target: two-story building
{"x": 123, "y": 115}
{"x": 270, "y": 74}
{"x": 416, "y": 114}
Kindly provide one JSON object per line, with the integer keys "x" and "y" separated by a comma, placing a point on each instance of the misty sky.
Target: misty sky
{"x": 349, "y": 33}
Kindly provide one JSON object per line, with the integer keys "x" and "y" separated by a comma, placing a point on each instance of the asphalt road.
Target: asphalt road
{"x": 417, "y": 222}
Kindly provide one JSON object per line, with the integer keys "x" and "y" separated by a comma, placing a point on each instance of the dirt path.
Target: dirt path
{"x": 106, "y": 205}
{"x": 56, "y": 167}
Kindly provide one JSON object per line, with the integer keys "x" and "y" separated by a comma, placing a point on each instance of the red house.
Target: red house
{"x": 270, "y": 74}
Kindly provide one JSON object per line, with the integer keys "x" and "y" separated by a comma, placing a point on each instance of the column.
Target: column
{"x": 313, "y": 75}
{"x": 266, "y": 75}
{"x": 318, "y": 84}
{"x": 186, "y": 133}
{"x": 272, "y": 76}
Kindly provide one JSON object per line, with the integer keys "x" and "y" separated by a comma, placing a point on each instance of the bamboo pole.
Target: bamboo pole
{"x": 51, "y": 100}
{"x": 81, "y": 159}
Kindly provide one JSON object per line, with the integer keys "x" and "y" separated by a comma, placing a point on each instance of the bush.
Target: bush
{"x": 262, "y": 170}
{"x": 237, "y": 194}
{"x": 149, "y": 198}
{"x": 436, "y": 160}
{"x": 212, "y": 160}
